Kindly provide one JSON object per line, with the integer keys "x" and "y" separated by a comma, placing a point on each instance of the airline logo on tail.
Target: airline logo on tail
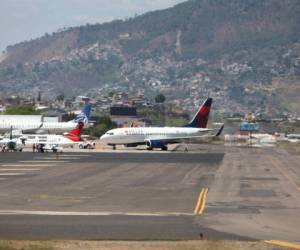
{"x": 201, "y": 117}
{"x": 75, "y": 134}
{"x": 85, "y": 114}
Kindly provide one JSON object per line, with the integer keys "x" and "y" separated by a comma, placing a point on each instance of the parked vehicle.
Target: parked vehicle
{"x": 87, "y": 145}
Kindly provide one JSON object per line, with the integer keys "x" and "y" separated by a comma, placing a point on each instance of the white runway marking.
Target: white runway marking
{"x": 57, "y": 158}
{"x": 77, "y": 155}
{"x": 24, "y": 212}
{"x": 54, "y": 161}
{"x": 11, "y": 174}
{"x": 60, "y": 156}
{"x": 19, "y": 169}
{"x": 28, "y": 165}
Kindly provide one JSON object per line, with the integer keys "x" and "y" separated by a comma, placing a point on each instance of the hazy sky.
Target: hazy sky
{"x": 25, "y": 19}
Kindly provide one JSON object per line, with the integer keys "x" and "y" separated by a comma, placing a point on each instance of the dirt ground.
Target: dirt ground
{"x": 143, "y": 245}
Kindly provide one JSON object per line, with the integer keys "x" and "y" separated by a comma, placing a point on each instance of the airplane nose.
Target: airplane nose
{"x": 103, "y": 138}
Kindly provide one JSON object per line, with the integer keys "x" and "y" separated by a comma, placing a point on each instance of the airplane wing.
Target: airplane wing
{"x": 166, "y": 140}
{"x": 53, "y": 147}
{"x": 4, "y": 141}
{"x": 176, "y": 139}
{"x": 31, "y": 130}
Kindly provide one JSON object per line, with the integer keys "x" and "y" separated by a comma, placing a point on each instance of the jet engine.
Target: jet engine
{"x": 156, "y": 144}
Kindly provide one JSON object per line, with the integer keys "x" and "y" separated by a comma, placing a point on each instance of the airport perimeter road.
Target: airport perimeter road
{"x": 222, "y": 193}
{"x": 256, "y": 193}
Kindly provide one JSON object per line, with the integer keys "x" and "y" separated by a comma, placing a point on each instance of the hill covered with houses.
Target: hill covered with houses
{"x": 244, "y": 53}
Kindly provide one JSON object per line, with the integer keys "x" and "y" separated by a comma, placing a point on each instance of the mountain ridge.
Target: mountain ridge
{"x": 235, "y": 50}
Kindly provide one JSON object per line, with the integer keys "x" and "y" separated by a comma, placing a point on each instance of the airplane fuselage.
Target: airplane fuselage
{"x": 6, "y": 126}
{"x": 15, "y": 144}
{"x": 48, "y": 140}
{"x": 56, "y": 127}
{"x": 37, "y": 127}
{"x": 142, "y": 135}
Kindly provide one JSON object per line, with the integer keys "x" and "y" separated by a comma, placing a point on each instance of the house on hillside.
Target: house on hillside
{"x": 125, "y": 116}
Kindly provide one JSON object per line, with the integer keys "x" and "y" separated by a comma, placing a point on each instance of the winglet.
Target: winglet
{"x": 220, "y": 131}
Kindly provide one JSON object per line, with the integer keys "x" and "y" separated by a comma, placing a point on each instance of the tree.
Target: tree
{"x": 22, "y": 110}
{"x": 160, "y": 98}
{"x": 60, "y": 97}
{"x": 68, "y": 117}
{"x": 102, "y": 125}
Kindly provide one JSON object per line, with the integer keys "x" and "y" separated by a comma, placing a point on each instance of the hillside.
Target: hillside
{"x": 242, "y": 52}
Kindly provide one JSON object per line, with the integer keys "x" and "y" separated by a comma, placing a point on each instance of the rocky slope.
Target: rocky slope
{"x": 245, "y": 53}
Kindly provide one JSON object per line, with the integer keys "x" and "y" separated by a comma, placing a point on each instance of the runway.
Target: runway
{"x": 250, "y": 194}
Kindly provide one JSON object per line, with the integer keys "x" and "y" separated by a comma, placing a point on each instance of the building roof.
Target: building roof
{"x": 123, "y": 111}
{"x": 26, "y": 118}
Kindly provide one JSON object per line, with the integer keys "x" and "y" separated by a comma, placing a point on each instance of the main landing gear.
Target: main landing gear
{"x": 151, "y": 147}
{"x": 163, "y": 148}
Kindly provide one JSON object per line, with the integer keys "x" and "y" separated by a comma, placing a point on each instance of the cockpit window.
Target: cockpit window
{"x": 110, "y": 133}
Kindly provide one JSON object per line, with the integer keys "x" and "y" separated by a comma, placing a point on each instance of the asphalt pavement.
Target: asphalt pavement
{"x": 252, "y": 193}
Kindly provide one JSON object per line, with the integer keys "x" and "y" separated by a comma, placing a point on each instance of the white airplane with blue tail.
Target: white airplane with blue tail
{"x": 26, "y": 126}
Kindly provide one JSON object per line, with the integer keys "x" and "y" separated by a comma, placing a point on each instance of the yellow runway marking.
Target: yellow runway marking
{"x": 199, "y": 202}
{"x": 290, "y": 179}
{"x": 283, "y": 244}
{"x": 199, "y": 209}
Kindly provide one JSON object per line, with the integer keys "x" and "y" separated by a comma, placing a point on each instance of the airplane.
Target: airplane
{"x": 29, "y": 127}
{"x": 48, "y": 142}
{"x": 61, "y": 127}
{"x": 160, "y": 137}
{"x": 12, "y": 144}
{"x": 262, "y": 139}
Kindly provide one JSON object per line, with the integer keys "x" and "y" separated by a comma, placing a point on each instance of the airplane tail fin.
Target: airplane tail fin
{"x": 84, "y": 115}
{"x": 201, "y": 117}
{"x": 75, "y": 134}
{"x": 11, "y": 133}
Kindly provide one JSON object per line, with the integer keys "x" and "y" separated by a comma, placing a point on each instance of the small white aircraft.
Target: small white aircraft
{"x": 160, "y": 137}
{"x": 55, "y": 142}
{"x": 12, "y": 144}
